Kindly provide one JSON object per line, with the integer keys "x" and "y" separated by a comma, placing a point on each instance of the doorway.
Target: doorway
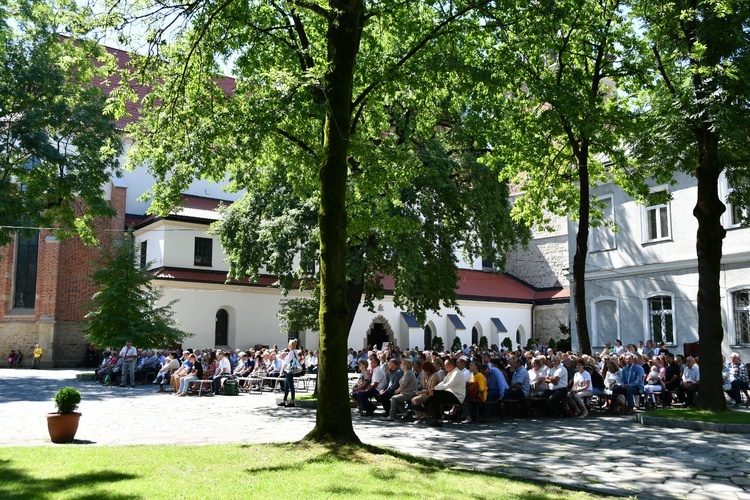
{"x": 221, "y": 332}
{"x": 377, "y": 336}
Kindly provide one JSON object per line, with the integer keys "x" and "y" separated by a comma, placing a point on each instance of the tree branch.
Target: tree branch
{"x": 301, "y": 144}
{"x": 312, "y": 7}
{"x": 434, "y": 33}
{"x": 663, "y": 71}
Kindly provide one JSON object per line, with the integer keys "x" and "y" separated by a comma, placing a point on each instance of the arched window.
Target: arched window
{"x": 474, "y": 336}
{"x": 605, "y": 324}
{"x": 427, "y": 338}
{"x": 221, "y": 333}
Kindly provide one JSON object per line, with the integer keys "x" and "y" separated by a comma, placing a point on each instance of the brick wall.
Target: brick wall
{"x": 63, "y": 292}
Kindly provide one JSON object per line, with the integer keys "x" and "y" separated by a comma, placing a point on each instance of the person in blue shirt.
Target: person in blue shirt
{"x": 497, "y": 386}
{"x": 632, "y": 381}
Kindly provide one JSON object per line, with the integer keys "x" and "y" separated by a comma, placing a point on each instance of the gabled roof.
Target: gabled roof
{"x": 192, "y": 208}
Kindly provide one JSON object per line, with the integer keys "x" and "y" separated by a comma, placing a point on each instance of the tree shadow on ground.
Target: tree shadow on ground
{"x": 17, "y": 484}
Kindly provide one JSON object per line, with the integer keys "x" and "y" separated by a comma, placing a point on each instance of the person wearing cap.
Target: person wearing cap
{"x": 128, "y": 354}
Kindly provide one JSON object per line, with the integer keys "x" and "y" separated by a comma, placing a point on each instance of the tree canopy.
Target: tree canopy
{"x": 58, "y": 144}
{"x": 562, "y": 76}
{"x": 349, "y": 126}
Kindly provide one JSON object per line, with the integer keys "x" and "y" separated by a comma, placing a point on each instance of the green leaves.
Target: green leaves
{"x": 125, "y": 307}
{"x": 58, "y": 149}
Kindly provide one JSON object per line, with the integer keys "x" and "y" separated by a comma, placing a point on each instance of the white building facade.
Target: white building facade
{"x": 642, "y": 279}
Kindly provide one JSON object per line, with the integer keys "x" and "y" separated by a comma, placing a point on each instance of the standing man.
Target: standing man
{"x": 128, "y": 354}
{"x": 37, "y": 356}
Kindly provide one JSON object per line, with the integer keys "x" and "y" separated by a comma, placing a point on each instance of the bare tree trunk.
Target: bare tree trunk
{"x": 579, "y": 259}
{"x": 708, "y": 210}
{"x": 333, "y": 422}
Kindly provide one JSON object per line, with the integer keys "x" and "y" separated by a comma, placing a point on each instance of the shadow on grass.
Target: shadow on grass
{"x": 306, "y": 453}
{"x": 16, "y": 484}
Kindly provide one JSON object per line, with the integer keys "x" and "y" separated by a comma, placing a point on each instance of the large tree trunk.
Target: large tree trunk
{"x": 708, "y": 210}
{"x": 579, "y": 259}
{"x": 333, "y": 422}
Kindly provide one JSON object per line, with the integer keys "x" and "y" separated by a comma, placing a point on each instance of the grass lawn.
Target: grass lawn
{"x": 243, "y": 471}
{"x": 725, "y": 417}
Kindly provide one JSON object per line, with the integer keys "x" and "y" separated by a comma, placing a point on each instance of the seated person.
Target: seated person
{"x": 148, "y": 363}
{"x": 451, "y": 391}
{"x": 165, "y": 372}
{"x": 430, "y": 380}
{"x": 632, "y": 381}
{"x": 195, "y": 373}
{"x": 736, "y": 378}
{"x": 377, "y": 383}
{"x": 394, "y": 377}
{"x": 362, "y": 385}
{"x": 477, "y": 392}
{"x": 407, "y": 389}
{"x": 691, "y": 377}
{"x": 580, "y": 389}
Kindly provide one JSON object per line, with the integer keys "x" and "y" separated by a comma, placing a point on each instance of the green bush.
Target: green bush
{"x": 437, "y": 343}
{"x": 456, "y": 346}
{"x": 483, "y": 342}
{"x": 67, "y": 399}
{"x": 508, "y": 343}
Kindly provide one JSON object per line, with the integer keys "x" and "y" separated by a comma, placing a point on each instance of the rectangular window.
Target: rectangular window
{"x": 27, "y": 255}
{"x": 657, "y": 216}
{"x": 203, "y": 251}
{"x": 662, "y": 319}
{"x": 144, "y": 253}
{"x": 487, "y": 263}
{"x": 602, "y": 237}
{"x": 742, "y": 317}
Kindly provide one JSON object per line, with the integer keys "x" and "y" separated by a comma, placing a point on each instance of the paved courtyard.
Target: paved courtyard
{"x": 613, "y": 455}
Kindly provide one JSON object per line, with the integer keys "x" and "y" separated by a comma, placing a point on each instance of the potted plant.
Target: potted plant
{"x": 63, "y": 424}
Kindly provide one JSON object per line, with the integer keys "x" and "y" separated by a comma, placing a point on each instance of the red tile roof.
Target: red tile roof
{"x": 123, "y": 61}
{"x": 472, "y": 285}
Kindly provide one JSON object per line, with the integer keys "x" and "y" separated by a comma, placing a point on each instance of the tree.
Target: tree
{"x": 699, "y": 124}
{"x": 341, "y": 113}
{"x": 561, "y": 74}
{"x": 58, "y": 144}
{"x": 126, "y": 306}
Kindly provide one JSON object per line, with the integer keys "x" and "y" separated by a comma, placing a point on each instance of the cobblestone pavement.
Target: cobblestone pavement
{"x": 614, "y": 455}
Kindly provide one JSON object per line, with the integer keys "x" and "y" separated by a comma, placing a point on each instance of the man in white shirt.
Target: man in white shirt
{"x": 128, "y": 354}
{"x": 691, "y": 377}
{"x": 223, "y": 371}
{"x": 451, "y": 391}
{"x": 557, "y": 392}
{"x": 461, "y": 365}
{"x": 378, "y": 382}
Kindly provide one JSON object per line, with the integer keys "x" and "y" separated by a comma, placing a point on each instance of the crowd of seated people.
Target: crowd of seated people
{"x": 168, "y": 368}
{"x": 622, "y": 378}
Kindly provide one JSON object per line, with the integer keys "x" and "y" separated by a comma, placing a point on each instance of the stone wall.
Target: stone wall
{"x": 547, "y": 321}
{"x": 19, "y": 336}
{"x": 70, "y": 345}
{"x": 544, "y": 262}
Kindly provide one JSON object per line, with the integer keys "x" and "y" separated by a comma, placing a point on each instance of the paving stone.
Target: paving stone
{"x": 608, "y": 454}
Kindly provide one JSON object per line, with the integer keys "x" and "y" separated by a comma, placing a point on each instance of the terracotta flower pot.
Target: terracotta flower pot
{"x": 62, "y": 427}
